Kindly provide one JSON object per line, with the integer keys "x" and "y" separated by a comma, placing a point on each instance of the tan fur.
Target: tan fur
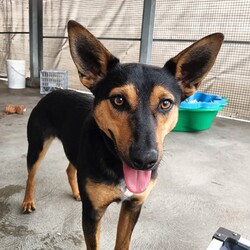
{"x": 28, "y": 201}
{"x": 101, "y": 195}
{"x": 129, "y": 92}
{"x": 128, "y": 216}
{"x": 116, "y": 121}
{"x": 71, "y": 172}
{"x": 140, "y": 198}
{"x": 165, "y": 123}
{"x": 159, "y": 92}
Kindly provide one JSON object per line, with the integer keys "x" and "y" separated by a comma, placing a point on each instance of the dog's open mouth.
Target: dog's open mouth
{"x": 136, "y": 181}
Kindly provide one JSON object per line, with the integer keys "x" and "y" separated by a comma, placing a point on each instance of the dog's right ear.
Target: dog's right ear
{"x": 91, "y": 58}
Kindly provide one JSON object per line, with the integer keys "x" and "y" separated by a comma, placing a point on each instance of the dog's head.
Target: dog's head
{"x": 136, "y": 105}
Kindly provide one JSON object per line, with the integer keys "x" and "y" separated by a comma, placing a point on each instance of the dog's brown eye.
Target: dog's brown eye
{"x": 118, "y": 100}
{"x": 165, "y": 104}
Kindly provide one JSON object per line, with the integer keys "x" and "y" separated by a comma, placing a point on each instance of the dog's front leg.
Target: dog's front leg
{"x": 91, "y": 224}
{"x": 130, "y": 212}
{"x": 129, "y": 215}
{"x": 96, "y": 197}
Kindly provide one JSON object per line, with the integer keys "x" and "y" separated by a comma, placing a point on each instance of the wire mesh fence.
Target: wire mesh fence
{"x": 178, "y": 23}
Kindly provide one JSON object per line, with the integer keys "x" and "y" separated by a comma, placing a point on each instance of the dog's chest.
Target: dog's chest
{"x": 126, "y": 194}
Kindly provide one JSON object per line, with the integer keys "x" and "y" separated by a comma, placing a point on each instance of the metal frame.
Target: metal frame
{"x": 147, "y": 31}
{"x": 36, "y": 41}
{"x": 36, "y": 37}
{"x": 225, "y": 239}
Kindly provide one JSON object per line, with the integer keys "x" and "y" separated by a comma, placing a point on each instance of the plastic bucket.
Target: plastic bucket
{"x": 16, "y": 74}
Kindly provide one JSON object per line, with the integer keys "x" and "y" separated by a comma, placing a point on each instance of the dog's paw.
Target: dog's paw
{"x": 28, "y": 207}
{"x": 77, "y": 197}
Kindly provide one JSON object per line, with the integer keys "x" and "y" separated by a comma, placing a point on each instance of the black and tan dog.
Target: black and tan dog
{"x": 115, "y": 138}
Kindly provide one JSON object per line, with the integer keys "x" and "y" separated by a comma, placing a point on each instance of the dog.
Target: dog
{"x": 113, "y": 139}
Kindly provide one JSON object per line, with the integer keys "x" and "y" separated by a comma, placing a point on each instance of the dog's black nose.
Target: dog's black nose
{"x": 144, "y": 160}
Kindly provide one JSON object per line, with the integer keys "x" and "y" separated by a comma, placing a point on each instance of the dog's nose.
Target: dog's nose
{"x": 144, "y": 160}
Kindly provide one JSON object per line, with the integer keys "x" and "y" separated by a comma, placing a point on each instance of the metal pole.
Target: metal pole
{"x": 36, "y": 41}
{"x": 147, "y": 31}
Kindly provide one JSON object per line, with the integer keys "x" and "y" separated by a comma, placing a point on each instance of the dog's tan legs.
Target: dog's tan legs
{"x": 96, "y": 198}
{"x": 129, "y": 215}
{"x": 71, "y": 172}
{"x": 28, "y": 201}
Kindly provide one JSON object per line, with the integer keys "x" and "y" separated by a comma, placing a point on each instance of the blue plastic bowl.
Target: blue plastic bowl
{"x": 198, "y": 111}
{"x": 202, "y": 100}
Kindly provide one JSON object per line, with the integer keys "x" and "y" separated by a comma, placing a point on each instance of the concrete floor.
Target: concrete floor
{"x": 204, "y": 183}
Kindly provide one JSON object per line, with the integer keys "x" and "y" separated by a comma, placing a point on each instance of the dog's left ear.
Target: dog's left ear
{"x": 192, "y": 65}
{"x": 91, "y": 58}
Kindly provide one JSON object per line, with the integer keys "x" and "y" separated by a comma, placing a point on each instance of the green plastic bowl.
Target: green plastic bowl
{"x": 192, "y": 120}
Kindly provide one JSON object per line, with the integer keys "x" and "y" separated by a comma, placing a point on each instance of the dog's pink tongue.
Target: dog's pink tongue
{"x": 136, "y": 180}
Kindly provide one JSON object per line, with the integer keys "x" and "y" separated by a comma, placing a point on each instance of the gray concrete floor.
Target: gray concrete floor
{"x": 204, "y": 183}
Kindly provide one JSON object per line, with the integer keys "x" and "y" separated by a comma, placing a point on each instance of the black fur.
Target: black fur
{"x": 59, "y": 114}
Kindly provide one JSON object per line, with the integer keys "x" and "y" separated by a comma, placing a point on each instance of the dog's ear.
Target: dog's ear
{"x": 91, "y": 58}
{"x": 192, "y": 64}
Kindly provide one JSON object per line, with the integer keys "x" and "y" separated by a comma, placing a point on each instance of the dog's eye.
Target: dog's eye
{"x": 118, "y": 102}
{"x": 165, "y": 104}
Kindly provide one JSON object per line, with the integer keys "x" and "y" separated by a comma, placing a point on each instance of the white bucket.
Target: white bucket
{"x": 16, "y": 74}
